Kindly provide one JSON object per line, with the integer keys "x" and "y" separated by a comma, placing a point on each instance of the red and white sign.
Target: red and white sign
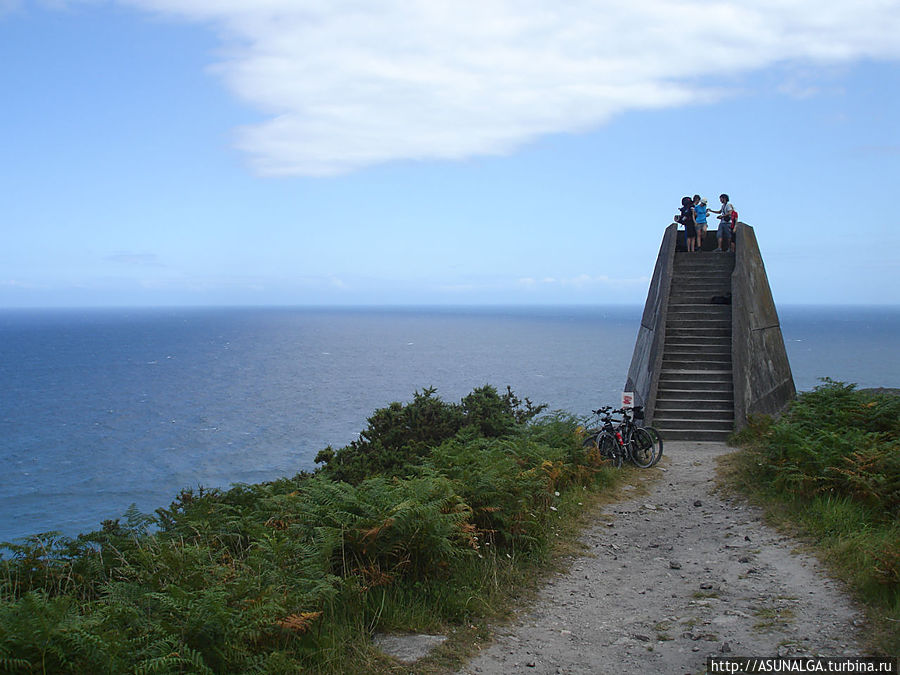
{"x": 627, "y": 399}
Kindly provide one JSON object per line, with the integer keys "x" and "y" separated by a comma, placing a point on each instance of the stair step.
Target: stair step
{"x": 697, "y": 307}
{"x": 692, "y": 272}
{"x": 685, "y": 273}
{"x": 705, "y": 363}
{"x": 674, "y": 393}
{"x": 697, "y": 285}
{"x": 694, "y": 315}
{"x": 705, "y": 425}
{"x": 684, "y": 260}
{"x": 703, "y": 296}
{"x": 697, "y": 349}
{"x": 666, "y": 404}
{"x": 699, "y": 353}
{"x": 697, "y": 341}
{"x": 699, "y": 280}
{"x": 693, "y": 435}
{"x": 696, "y": 358}
{"x": 701, "y": 287}
{"x": 704, "y": 257}
{"x": 693, "y": 414}
{"x": 694, "y": 376}
{"x": 679, "y": 331}
{"x": 700, "y": 312}
{"x": 697, "y": 386}
{"x": 698, "y": 324}
{"x": 712, "y": 346}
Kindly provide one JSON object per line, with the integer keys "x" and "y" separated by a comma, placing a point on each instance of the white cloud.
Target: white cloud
{"x": 345, "y": 84}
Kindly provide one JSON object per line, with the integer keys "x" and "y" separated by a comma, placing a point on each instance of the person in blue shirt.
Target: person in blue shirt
{"x": 700, "y": 220}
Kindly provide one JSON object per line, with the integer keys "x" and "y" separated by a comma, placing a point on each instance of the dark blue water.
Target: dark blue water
{"x": 850, "y": 344}
{"x": 102, "y": 409}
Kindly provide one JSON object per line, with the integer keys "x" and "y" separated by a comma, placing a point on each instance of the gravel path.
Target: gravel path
{"x": 673, "y": 576}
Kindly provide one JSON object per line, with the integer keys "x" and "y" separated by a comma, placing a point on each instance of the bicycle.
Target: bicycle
{"x": 602, "y": 438}
{"x": 642, "y": 446}
{"x": 645, "y": 444}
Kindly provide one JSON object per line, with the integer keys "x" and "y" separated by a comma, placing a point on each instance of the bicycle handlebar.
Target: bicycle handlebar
{"x": 625, "y": 410}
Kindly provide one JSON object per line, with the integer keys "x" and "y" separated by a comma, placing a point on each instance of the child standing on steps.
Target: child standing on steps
{"x": 700, "y": 220}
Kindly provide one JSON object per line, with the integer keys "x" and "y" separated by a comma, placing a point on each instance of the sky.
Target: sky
{"x": 438, "y": 152}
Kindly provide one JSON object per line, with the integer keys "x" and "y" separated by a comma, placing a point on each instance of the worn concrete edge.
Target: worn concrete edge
{"x": 646, "y": 359}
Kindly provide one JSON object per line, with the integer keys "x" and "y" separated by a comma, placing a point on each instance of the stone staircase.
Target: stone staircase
{"x": 695, "y": 396}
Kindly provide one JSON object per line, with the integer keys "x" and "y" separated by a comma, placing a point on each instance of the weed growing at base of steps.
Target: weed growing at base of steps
{"x": 432, "y": 521}
{"x": 830, "y": 468}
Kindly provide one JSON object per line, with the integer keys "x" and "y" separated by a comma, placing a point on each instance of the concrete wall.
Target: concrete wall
{"x": 763, "y": 382}
{"x": 709, "y": 243}
{"x": 646, "y": 361}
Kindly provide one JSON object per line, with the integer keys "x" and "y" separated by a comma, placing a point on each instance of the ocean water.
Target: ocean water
{"x": 100, "y": 409}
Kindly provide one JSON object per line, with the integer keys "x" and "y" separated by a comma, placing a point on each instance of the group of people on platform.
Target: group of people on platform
{"x": 693, "y": 215}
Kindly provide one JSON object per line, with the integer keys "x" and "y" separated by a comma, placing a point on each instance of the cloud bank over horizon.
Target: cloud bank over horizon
{"x": 344, "y": 85}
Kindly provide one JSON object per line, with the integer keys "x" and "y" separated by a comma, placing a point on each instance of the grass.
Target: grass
{"x": 705, "y": 595}
{"x": 828, "y": 472}
{"x": 773, "y": 617}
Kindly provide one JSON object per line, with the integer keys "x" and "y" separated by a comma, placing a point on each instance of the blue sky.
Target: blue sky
{"x": 216, "y": 152}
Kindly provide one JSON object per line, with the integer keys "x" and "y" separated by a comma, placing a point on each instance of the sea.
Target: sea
{"x": 104, "y": 409}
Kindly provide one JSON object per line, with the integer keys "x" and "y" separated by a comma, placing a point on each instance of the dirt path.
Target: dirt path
{"x": 674, "y": 576}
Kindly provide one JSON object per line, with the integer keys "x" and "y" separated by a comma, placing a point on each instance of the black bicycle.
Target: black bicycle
{"x": 618, "y": 440}
{"x": 601, "y": 437}
{"x": 644, "y": 442}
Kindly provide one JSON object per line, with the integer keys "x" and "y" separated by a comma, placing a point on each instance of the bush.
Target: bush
{"x": 400, "y": 436}
{"x": 831, "y": 465}
{"x": 834, "y": 440}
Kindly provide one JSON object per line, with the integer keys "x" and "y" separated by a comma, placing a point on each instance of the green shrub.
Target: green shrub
{"x": 831, "y": 464}
{"x": 399, "y": 436}
{"x": 834, "y": 440}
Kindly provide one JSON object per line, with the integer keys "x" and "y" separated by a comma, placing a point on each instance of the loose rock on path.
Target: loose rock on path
{"x": 674, "y": 576}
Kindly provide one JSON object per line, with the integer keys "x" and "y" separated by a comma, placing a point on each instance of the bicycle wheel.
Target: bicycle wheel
{"x": 590, "y": 441}
{"x": 609, "y": 448}
{"x": 642, "y": 448}
{"x": 657, "y": 440}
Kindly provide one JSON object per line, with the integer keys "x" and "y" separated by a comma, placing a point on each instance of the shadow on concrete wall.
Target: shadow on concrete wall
{"x": 763, "y": 382}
